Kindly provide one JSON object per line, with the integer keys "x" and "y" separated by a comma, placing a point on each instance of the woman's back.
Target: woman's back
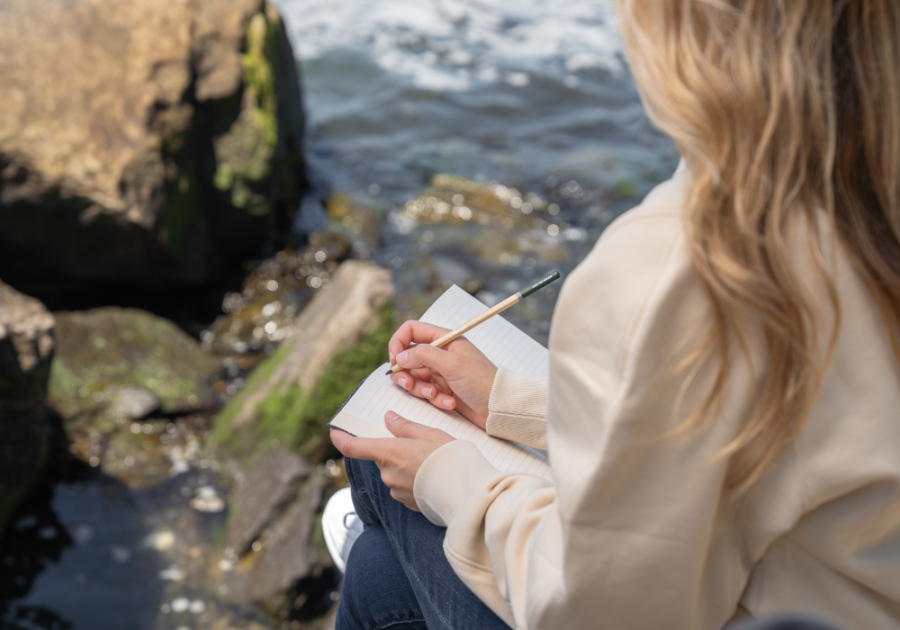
{"x": 818, "y": 532}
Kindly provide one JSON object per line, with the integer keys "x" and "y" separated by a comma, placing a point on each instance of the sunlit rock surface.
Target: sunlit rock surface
{"x": 26, "y": 349}
{"x": 149, "y": 141}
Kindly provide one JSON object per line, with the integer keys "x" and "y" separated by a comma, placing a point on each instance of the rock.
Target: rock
{"x": 131, "y": 403}
{"x": 361, "y": 224}
{"x": 260, "y": 497}
{"x": 114, "y": 366}
{"x": 286, "y": 555}
{"x": 339, "y": 338}
{"x": 119, "y": 361}
{"x": 26, "y": 350}
{"x": 135, "y": 459}
{"x": 145, "y": 143}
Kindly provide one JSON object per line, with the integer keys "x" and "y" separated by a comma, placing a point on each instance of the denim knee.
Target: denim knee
{"x": 376, "y": 592}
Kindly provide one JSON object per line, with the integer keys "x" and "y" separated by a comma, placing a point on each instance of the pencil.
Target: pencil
{"x": 499, "y": 308}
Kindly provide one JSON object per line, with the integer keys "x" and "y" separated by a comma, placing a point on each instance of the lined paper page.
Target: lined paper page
{"x": 504, "y": 344}
{"x": 378, "y": 395}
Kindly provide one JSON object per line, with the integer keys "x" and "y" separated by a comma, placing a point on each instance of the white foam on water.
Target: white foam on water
{"x": 456, "y": 45}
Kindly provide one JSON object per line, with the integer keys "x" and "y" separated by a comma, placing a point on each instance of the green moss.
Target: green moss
{"x": 244, "y": 154}
{"x": 105, "y": 349}
{"x": 626, "y": 188}
{"x": 298, "y": 418}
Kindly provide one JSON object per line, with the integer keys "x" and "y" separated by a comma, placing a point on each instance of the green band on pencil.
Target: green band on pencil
{"x": 540, "y": 284}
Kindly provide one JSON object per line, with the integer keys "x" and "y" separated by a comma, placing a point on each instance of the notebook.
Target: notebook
{"x": 501, "y": 342}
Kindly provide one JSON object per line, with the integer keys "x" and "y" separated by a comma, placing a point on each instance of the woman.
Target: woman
{"x": 722, "y": 408}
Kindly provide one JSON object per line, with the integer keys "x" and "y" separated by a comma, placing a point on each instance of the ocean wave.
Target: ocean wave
{"x": 457, "y": 45}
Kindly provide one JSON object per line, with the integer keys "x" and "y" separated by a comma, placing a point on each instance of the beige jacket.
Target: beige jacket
{"x": 638, "y": 531}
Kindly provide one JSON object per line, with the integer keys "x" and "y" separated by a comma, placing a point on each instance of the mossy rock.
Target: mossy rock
{"x": 297, "y": 418}
{"x": 291, "y": 396}
{"x": 106, "y": 349}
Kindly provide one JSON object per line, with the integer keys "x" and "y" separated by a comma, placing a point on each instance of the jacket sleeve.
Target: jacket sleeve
{"x": 635, "y": 532}
{"x": 517, "y": 409}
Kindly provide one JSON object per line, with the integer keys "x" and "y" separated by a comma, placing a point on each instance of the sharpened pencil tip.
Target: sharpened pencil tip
{"x": 389, "y": 372}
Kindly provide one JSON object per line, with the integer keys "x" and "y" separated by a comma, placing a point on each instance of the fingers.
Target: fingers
{"x": 434, "y": 392}
{"x": 413, "y": 332}
{"x": 417, "y": 383}
{"x": 426, "y": 356}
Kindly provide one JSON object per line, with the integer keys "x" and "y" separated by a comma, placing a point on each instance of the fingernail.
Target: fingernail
{"x": 448, "y": 402}
{"x": 391, "y": 355}
{"x": 426, "y": 391}
{"x": 402, "y": 383}
{"x": 391, "y": 415}
{"x": 401, "y": 358}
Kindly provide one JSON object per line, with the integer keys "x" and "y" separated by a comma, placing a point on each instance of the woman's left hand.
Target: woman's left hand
{"x": 399, "y": 458}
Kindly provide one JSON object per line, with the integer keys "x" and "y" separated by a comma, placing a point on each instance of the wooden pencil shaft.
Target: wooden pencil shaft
{"x": 469, "y": 325}
{"x": 499, "y": 308}
{"x": 462, "y": 330}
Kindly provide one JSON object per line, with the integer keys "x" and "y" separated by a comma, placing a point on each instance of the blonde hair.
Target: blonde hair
{"x": 781, "y": 109}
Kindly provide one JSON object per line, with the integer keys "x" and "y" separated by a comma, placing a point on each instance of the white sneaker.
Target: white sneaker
{"x": 340, "y": 527}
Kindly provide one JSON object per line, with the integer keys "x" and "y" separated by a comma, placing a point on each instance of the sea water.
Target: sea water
{"x": 398, "y": 90}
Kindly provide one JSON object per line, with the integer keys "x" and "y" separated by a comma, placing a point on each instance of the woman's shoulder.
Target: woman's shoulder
{"x": 637, "y": 277}
{"x": 663, "y": 205}
{"x": 643, "y": 239}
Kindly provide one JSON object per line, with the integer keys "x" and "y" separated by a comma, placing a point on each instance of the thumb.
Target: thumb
{"x": 403, "y": 428}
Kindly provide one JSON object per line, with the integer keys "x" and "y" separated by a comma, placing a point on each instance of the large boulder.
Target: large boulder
{"x": 145, "y": 143}
{"x": 26, "y": 349}
{"x": 338, "y": 340}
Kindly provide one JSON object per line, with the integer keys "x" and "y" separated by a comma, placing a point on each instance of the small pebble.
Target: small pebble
{"x": 197, "y": 606}
{"x": 180, "y": 604}
{"x": 172, "y": 574}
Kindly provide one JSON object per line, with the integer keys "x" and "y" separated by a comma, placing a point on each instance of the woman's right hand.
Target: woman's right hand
{"x": 457, "y": 376}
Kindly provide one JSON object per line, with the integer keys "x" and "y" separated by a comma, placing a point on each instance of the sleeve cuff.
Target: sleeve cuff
{"x": 448, "y": 477}
{"x": 517, "y": 409}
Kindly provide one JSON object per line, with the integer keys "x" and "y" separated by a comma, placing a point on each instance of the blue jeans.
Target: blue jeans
{"x": 397, "y": 575}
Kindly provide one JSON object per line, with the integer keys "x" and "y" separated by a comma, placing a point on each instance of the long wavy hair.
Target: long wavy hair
{"x": 781, "y": 109}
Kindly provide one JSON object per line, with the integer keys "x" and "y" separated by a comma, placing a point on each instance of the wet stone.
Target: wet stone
{"x": 286, "y": 554}
{"x": 261, "y": 315}
{"x": 271, "y": 482}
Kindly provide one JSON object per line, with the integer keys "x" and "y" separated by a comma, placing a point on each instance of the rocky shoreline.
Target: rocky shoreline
{"x": 163, "y": 439}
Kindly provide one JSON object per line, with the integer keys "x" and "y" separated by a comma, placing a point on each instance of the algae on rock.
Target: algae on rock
{"x": 112, "y": 363}
{"x": 290, "y": 397}
{"x": 244, "y": 153}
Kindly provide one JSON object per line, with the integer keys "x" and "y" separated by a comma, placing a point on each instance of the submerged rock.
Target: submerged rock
{"x": 143, "y": 143}
{"x": 339, "y": 338}
{"x": 26, "y": 349}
